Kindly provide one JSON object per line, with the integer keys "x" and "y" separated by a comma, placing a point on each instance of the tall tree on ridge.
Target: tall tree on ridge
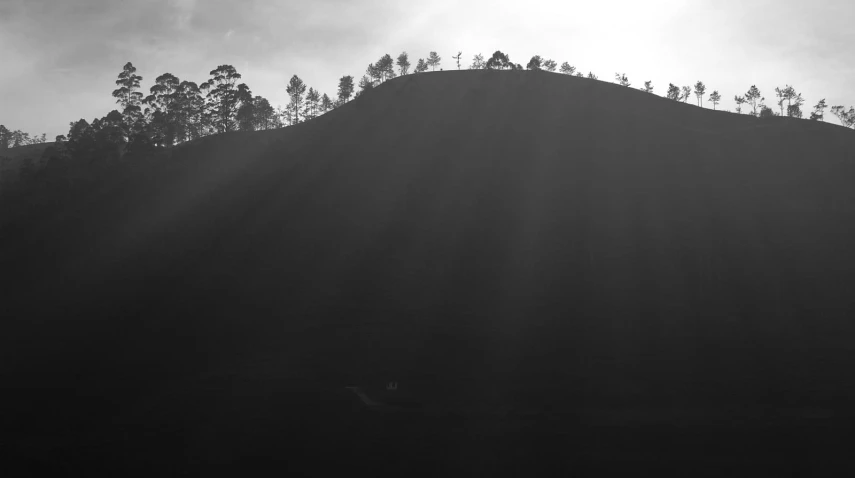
{"x": 295, "y": 90}
{"x": 818, "y": 111}
{"x": 433, "y": 60}
{"x": 403, "y": 63}
{"x": 534, "y": 63}
{"x": 225, "y": 96}
{"x": 421, "y": 66}
{"x": 740, "y": 100}
{"x": 673, "y": 92}
{"x": 700, "y": 88}
{"x": 459, "y": 54}
{"x": 345, "y": 88}
{"x": 715, "y": 98}
{"x": 752, "y": 96}
{"x": 648, "y": 86}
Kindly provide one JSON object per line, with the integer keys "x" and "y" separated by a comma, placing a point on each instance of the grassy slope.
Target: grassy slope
{"x": 585, "y": 247}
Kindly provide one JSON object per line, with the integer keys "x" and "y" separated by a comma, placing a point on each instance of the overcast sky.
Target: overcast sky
{"x": 60, "y": 59}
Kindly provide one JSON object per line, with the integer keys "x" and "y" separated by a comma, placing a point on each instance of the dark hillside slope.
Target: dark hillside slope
{"x": 488, "y": 239}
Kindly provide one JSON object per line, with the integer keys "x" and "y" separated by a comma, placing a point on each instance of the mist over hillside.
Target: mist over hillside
{"x": 487, "y": 239}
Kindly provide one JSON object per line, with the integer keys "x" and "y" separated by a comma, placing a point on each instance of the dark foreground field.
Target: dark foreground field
{"x": 590, "y": 278}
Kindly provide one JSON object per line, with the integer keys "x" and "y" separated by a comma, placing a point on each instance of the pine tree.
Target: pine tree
{"x": 622, "y": 79}
{"x": 550, "y": 65}
{"x": 433, "y": 60}
{"x": 648, "y": 86}
{"x": 740, "y": 100}
{"x": 403, "y": 63}
{"x": 592, "y": 76}
{"x": 534, "y": 63}
{"x": 567, "y": 69}
{"x": 700, "y": 88}
{"x": 751, "y": 97}
{"x": 345, "y": 88}
{"x": 386, "y": 67}
{"x": 817, "y": 114}
{"x": 421, "y": 66}
{"x": 686, "y": 92}
{"x": 673, "y": 92}
{"x": 295, "y": 90}
{"x": 715, "y": 98}
{"x": 326, "y": 103}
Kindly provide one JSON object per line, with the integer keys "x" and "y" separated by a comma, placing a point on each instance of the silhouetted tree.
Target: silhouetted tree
{"x": 648, "y": 86}
{"x": 740, "y": 100}
{"x": 686, "y": 92}
{"x": 225, "y": 96}
{"x": 622, "y": 79}
{"x": 5, "y": 137}
{"x": 550, "y": 65}
{"x": 700, "y": 88}
{"x": 365, "y": 84}
{"x": 715, "y": 98}
{"x": 295, "y": 90}
{"x": 264, "y": 116}
{"x": 819, "y": 111}
{"x": 567, "y": 69}
{"x": 127, "y": 95}
{"x": 386, "y": 67}
{"x": 374, "y": 73}
{"x": 81, "y": 140}
{"x": 403, "y": 63}
{"x": 766, "y": 112}
{"x": 847, "y": 118}
{"x": 345, "y": 88}
{"x": 781, "y": 94}
{"x": 313, "y": 99}
{"x": 459, "y": 54}
{"x": 478, "y": 62}
{"x": 592, "y": 76}
{"x": 534, "y": 63}
{"x": 752, "y": 96}
{"x": 163, "y": 99}
{"x": 190, "y": 107}
{"x": 499, "y": 61}
{"x": 673, "y": 92}
{"x": 433, "y": 60}
{"x": 421, "y": 66}
{"x": 326, "y": 103}
{"x": 579, "y": 74}
{"x": 794, "y": 108}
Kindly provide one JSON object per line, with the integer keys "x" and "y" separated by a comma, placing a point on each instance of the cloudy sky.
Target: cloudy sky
{"x": 60, "y": 59}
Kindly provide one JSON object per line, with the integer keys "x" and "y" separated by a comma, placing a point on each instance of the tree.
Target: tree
{"x": 225, "y": 96}
{"x": 326, "y": 103}
{"x": 386, "y": 67}
{"x": 592, "y": 76}
{"x": 433, "y": 60}
{"x": 534, "y": 63}
{"x": 579, "y": 74}
{"x": 5, "y": 137}
{"x": 686, "y": 92}
{"x": 127, "y": 95}
{"x": 374, "y": 73}
{"x": 345, "y": 88}
{"x": 365, "y": 84}
{"x": 567, "y": 69}
{"x": 673, "y": 92}
{"x": 781, "y": 94}
{"x": 246, "y": 116}
{"x": 190, "y": 106}
{"x": 751, "y": 97}
{"x": 421, "y": 66}
{"x": 312, "y": 100}
{"x": 459, "y": 54}
{"x": 264, "y": 116}
{"x": 81, "y": 140}
{"x": 794, "y": 108}
{"x": 766, "y": 112}
{"x": 715, "y": 98}
{"x": 622, "y": 79}
{"x": 403, "y": 63}
{"x": 700, "y": 88}
{"x": 295, "y": 90}
{"x": 740, "y": 100}
{"x": 499, "y": 61}
{"x": 648, "y": 86}
{"x": 550, "y": 65}
{"x": 847, "y": 118}
{"x": 817, "y": 114}
{"x": 163, "y": 99}
{"x": 478, "y": 62}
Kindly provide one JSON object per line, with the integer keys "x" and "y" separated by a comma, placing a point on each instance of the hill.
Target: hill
{"x": 490, "y": 240}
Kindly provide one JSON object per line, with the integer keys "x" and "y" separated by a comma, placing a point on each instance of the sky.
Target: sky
{"x": 60, "y": 59}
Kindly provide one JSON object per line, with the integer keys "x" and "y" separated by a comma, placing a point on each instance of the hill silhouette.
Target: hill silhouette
{"x": 491, "y": 241}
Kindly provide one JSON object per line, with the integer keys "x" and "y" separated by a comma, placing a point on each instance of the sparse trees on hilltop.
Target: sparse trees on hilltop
{"x": 403, "y": 63}
{"x": 700, "y": 88}
{"x": 421, "y": 66}
{"x": 433, "y": 60}
{"x": 819, "y": 111}
{"x": 345, "y": 88}
{"x": 715, "y": 98}
{"x": 499, "y": 61}
{"x": 752, "y": 96}
{"x": 648, "y": 86}
{"x": 592, "y": 76}
{"x": 295, "y": 90}
{"x": 534, "y": 63}
{"x": 847, "y": 118}
{"x": 459, "y": 54}
{"x": 567, "y": 69}
{"x": 740, "y": 100}
{"x": 622, "y": 79}
{"x": 550, "y": 65}
{"x": 673, "y": 92}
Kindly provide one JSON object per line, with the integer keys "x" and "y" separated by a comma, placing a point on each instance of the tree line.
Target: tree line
{"x": 15, "y": 138}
